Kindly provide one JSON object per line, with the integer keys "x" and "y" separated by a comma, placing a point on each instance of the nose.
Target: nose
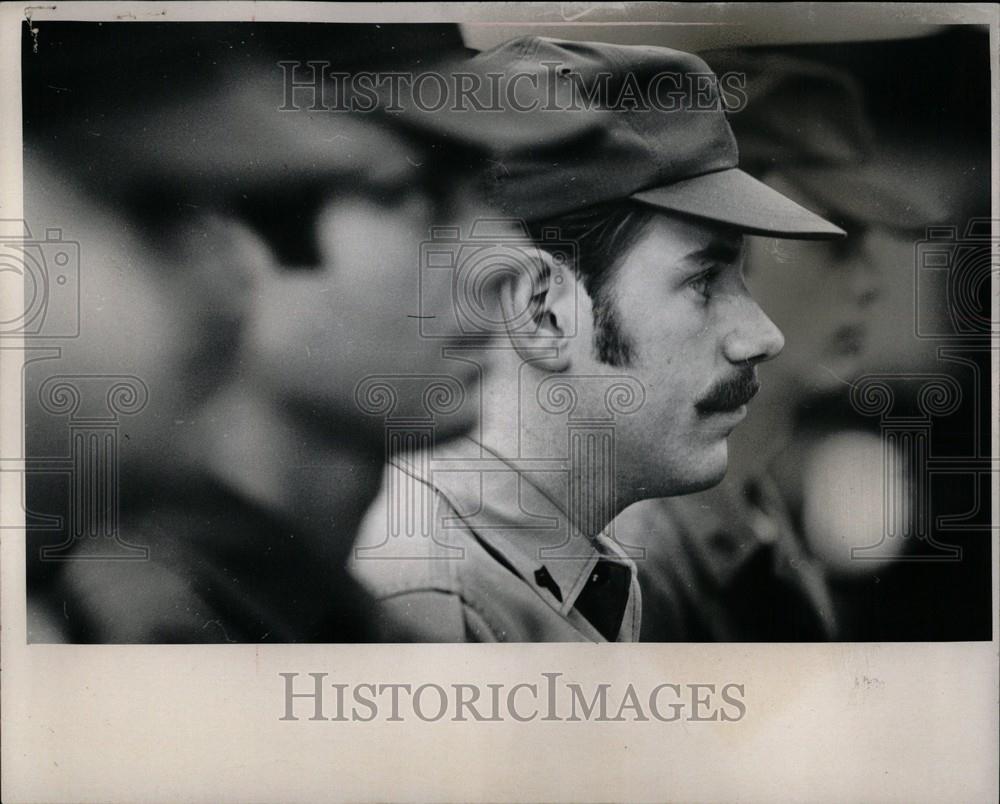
{"x": 865, "y": 280}
{"x": 856, "y": 269}
{"x": 753, "y": 338}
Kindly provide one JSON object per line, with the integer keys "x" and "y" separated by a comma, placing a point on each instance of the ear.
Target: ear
{"x": 224, "y": 264}
{"x": 538, "y": 304}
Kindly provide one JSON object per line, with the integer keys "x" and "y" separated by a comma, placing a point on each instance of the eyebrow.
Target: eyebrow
{"x": 725, "y": 251}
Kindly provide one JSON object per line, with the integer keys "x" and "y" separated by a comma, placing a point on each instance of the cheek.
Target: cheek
{"x": 667, "y": 419}
{"x": 372, "y": 253}
{"x": 676, "y": 351}
{"x": 136, "y": 328}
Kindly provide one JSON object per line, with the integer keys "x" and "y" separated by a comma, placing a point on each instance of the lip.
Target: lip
{"x": 728, "y": 418}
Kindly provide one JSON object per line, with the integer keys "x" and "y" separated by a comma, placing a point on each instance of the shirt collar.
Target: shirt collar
{"x": 510, "y": 514}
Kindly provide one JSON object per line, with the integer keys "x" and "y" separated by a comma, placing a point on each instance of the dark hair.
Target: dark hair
{"x": 602, "y": 235}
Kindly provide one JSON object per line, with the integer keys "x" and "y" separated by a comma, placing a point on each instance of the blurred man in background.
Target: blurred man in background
{"x": 243, "y": 269}
{"x": 732, "y": 563}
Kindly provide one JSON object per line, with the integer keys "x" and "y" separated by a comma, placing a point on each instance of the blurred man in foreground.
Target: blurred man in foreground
{"x": 626, "y": 362}
{"x": 249, "y": 267}
{"x": 730, "y": 563}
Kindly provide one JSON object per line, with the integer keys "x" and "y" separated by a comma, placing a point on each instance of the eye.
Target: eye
{"x": 702, "y": 283}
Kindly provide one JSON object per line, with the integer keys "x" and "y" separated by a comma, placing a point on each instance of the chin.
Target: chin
{"x": 705, "y": 480}
{"x": 696, "y": 476}
{"x": 450, "y": 427}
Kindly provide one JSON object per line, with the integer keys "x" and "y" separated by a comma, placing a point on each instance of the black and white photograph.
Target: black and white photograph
{"x": 371, "y": 329}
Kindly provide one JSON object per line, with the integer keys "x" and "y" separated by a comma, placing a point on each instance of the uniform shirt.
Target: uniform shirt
{"x": 724, "y": 567}
{"x": 491, "y": 558}
{"x": 215, "y": 559}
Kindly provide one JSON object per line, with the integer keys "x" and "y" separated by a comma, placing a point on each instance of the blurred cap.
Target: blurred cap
{"x": 661, "y": 138}
{"x": 888, "y": 190}
{"x": 200, "y": 103}
{"x": 94, "y": 69}
{"x": 806, "y": 120}
{"x": 209, "y": 106}
{"x": 233, "y": 137}
{"x": 794, "y": 111}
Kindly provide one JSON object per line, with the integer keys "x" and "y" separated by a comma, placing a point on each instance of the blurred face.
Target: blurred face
{"x": 696, "y": 338}
{"x": 821, "y": 294}
{"x": 366, "y": 326}
{"x": 146, "y": 311}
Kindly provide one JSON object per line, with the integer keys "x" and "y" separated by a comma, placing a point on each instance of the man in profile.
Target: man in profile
{"x": 627, "y": 358}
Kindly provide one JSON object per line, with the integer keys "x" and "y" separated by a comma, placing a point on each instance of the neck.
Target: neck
{"x": 516, "y": 430}
{"x": 316, "y": 488}
{"x": 266, "y": 453}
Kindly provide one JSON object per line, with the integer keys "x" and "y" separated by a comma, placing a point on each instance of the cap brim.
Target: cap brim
{"x": 737, "y": 199}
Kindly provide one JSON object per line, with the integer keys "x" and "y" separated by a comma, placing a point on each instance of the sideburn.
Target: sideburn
{"x": 613, "y": 346}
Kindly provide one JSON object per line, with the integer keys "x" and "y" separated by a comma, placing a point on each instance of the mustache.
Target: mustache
{"x": 730, "y": 393}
